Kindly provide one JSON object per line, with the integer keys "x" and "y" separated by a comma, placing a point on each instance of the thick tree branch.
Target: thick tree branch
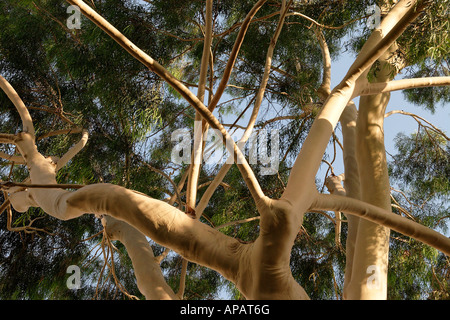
{"x": 233, "y": 55}
{"x": 73, "y": 151}
{"x": 302, "y": 177}
{"x": 383, "y": 217}
{"x": 351, "y": 184}
{"x": 404, "y": 84}
{"x": 325, "y": 87}
{"x": 335, "y": 186}
{"x": 165, "y": 224}
{"x": 27, "y": 122}
{"x": 150, "y": 279}
{"x": 12, "y": 158}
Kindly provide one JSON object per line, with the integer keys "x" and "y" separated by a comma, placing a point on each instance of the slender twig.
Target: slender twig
{"x": 322, "y": 25}
{"x": 232, "y": 223}
{"x": 417, "y": 118}
{"x": 174, "y": 185}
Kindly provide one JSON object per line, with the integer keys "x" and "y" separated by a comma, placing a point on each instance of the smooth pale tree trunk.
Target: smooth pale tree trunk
{"x": 352, "y": 188}
{"x": 371, "y": 252}
{"x": 150, "y": 280}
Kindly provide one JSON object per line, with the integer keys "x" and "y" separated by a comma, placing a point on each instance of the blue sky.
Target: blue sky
{"x": 394, "y": 124}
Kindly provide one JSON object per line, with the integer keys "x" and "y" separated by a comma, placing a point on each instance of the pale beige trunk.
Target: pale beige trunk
{"x": 150, "y": 280}
{"x": 351, "y": 186}
{"x": 371, "y": 253}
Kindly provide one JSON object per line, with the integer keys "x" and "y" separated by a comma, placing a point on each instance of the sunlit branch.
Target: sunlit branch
{"x": 302, "y": 177}
{"x": 325, "y": 87}
{"x": 73, "y": 151}
{"x": 27, "y": 122}
{"x": 403, "y": 84}
{"x": 383, "y": 217}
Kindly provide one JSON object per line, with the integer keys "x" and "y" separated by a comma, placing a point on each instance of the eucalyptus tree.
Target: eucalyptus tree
{"x": 227, "y": 51}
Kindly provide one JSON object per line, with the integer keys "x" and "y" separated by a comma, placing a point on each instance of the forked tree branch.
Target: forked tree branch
{"x": 419, "y": 119}
{"x": 233, "y": 55}
{"x": 254, "y": 115}
{"x": 154, "y": 66}
{"x": 302, "y": 177}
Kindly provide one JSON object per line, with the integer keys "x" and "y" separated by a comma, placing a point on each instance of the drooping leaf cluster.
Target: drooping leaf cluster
{"x": 420, "y": 174}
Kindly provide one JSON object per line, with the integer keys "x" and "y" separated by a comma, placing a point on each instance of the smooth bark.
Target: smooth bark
{"x": 150, "y": 280}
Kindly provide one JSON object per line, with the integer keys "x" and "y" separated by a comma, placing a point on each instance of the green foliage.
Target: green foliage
{"x": 422, "y": 163}
{"x": 421, "y": 169}
{"x": 33, "y": 266}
